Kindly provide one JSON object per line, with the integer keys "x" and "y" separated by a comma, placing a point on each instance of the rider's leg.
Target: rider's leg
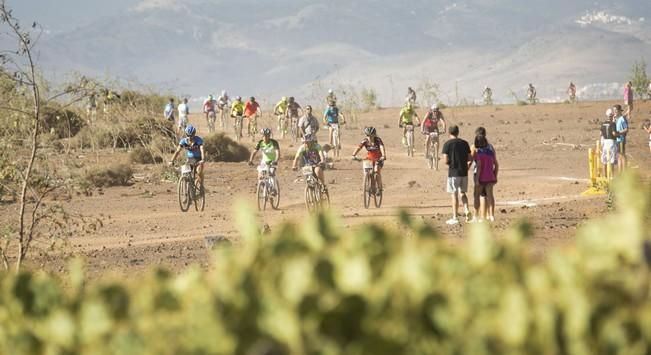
{"x": 319, "y": 174}
{"x": 378, "y": 177}
{"x": 200, "y": 173}
{"x": 330, "y": 136}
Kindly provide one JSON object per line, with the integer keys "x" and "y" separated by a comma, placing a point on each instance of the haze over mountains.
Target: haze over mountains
{"x": 303, "y": 47}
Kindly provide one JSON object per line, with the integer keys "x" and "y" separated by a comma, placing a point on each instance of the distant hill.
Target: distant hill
{"x": 281, "y": 47}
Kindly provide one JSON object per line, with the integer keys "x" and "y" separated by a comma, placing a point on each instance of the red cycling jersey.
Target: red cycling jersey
{"x": 373, "y": 148}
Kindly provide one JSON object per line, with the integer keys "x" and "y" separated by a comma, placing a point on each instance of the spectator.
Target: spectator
{"x": 456, "y": 153}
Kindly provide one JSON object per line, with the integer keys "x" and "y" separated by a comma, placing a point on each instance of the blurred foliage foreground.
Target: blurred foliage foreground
{"x": 316, "y": 288}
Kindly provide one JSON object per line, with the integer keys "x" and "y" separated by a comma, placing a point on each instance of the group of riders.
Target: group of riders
{"x": 532, "y": 95}
{"x": 310, "y": 152}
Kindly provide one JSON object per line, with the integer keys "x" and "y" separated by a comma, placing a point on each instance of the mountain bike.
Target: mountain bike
{"x": 372, "y": 188}
{"x": 409, "y": 137}
{"x": 268, "y": 189}
{"x": 252, "y": 127}
{"x": 294, "y": 129}
{"x": 336, "y": 138}
{"x": 222, "y": 116}
{"x": 432, "y": 150}
{"x": 316, "y": 196}
{"x": 237, "y": 127}
{"x": 188, "y": 190}
{"x": 210, "y": 119}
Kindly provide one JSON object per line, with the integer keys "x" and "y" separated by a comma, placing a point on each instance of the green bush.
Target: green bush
{"x": 317, "y": 288}
{"x": 220, "y": 147}
{"x": 117, "y": 174}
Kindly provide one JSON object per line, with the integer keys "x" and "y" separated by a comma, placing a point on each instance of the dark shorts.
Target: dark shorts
{"x": 622, "y": 147}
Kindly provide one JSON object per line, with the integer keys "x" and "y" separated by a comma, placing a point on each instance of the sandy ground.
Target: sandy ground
{"x": 542, "y": 152}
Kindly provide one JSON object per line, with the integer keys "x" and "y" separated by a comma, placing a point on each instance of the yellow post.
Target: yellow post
{"x": 609, "y": 167}
{"x": 597, "y": 158}
{"x": 591, "y": 167}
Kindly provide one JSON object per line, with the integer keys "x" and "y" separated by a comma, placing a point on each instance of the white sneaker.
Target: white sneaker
{"x": 452, "y": 221}
{"x": 491, "y": 218}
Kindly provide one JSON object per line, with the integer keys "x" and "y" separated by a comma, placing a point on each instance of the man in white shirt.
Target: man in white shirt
{"x": 184, "y": 111}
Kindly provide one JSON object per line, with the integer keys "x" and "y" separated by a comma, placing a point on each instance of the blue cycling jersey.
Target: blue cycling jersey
{"x": 193, "y": 151}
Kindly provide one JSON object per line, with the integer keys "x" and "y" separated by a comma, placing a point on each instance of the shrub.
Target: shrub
{"x": 134, "y": 133}
{"x": 369, "y": 98}
{"x": 117, "y": 174}
{"x": 61, "y": 122}
{"x": 321, "y": 288}
{"x": 220, "y": 147}
{"x": 142, "y": 155}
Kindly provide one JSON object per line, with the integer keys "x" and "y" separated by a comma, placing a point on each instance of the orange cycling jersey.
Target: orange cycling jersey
{"x": 251, "y": 108}
{"x": 372, "y": 147}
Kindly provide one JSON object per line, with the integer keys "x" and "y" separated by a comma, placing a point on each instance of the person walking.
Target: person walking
{"x": 456, "y": 154}
{"x": 628, "y": 99}
{"x": 621, "y": 126}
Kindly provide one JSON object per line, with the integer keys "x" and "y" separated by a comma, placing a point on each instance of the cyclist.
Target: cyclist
{"x": 376, "y": 152}
{"x": 571, "y": 92}
{"x": 195, "y": 152}
{"x": 251, "y": 112}
{"x": 209, "y": 107}
{"x": 330, "y": 117}
{"x": 331, "y": 97}
{"x": 169, "y": 110}
{"x": 280, "y": 110}
{"x": 531, "y": 93}
{"x": 406, "y": 118}
{"x": 488, "y": 95}
{"x": 311, "y": 154}
{"x": 270, "y": 151}
{"x": 184, "y": 111}
{"x": 293, "y": 109}
{"x": 237, "y": 110}
{"x": 411, "y": 96}
{"x": 308, "y": 124}
{"x": 223, "y": 100}
{"x": 430, "y": 124}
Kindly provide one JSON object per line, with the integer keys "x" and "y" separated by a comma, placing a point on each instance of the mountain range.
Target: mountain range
{"x": 303, "y": 47}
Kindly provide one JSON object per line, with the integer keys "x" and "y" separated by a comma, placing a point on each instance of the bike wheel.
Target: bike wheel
{"x": 377, "y": 198}
{"x": 366, "y": 194}
{"x": 262, "y": 195}
{"x": 199, "y": 198}
{"x": 275, "y": 199}
{"x": 310, "y": 198}
{"x": 185, "y": 199}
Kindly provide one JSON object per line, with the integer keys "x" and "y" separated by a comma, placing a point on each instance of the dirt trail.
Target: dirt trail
{"x": 539, "y": 179}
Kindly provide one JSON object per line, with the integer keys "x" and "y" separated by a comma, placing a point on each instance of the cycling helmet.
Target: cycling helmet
{"x": 210, "y": 97}
{"x": 252, "y": 98}
{"x": 266, "y": 131}
{"x": 434, "y": 107}
{"x": 609, "y": 112}
{"x": 330, "y": 91}
{"x": 223, "y": 92}
{"x": 409, "y": 106}
{"x": 369, "y": 131}
{"x": 291, "y": 99}
{"x": 284, "y": 99}
{"x": 308, "y": 138}
{"x": 238, "y": 98}
{"x": 190, "y": 131}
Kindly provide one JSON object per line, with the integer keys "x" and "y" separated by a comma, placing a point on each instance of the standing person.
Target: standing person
{"x": 571, "y": 92}
{"x": 169, "y": 110}
{"x": 251, "y": 112}
{"x": 621, "y": 126}
{"x": 608, "y": 146}
{"x": 411, "y": 95}
{"x": 332, "y": 116}
{"x": 648, "y": 90}
{"x": 308, "y": 124}
{"x": 531, "y": 94}
{"x": 487, "y": 94}
{"x": 456, "y": 153}
{"x": 485, "y": 176}
{"x": 628, "y": 99}
{"x": 91, "y": 108}
{"x": 184, "y": 111}
{"x": 647, "y": 128}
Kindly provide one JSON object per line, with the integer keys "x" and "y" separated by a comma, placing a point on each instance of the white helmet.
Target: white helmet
{"x": 223, "y": 92}
{"x": 609, "y": 112}
{"x": 434, "y": 107}
{"x": 329, "y": 91}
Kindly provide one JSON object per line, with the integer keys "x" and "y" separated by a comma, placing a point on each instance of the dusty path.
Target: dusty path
{"x": 542, "y": 152}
